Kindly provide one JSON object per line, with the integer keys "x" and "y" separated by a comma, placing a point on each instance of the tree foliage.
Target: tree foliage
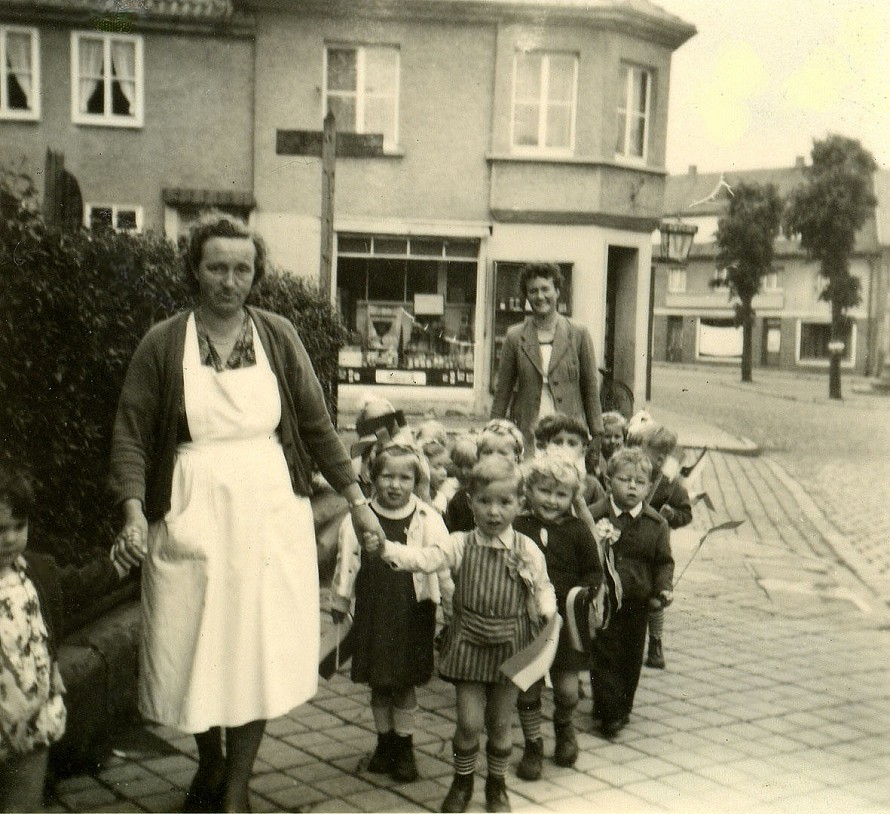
{"x": 825, "y": 212}
{"x": 745, "y": 244}
{"x": 74, "y": 306}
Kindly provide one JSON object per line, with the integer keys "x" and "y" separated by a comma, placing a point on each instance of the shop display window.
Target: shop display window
{"x": 410, "y": 305}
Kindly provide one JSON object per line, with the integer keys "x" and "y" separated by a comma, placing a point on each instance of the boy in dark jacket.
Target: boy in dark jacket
{"x": 668, "y": 496}
{"x": 640, "y": 541}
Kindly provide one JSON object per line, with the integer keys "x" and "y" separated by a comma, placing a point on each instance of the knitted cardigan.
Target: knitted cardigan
{"x": 144, "y": 438}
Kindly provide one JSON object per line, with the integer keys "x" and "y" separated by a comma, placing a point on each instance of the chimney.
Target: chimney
{"x": 693, "y": 170}
{"x": 800, "y": 162}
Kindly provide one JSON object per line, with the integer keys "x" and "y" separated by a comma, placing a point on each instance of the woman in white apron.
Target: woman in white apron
{"x": 218, "y": 413}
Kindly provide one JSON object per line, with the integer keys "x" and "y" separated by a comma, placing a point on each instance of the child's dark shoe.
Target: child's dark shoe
{"x": 566, "y": 751}
{"x": 496, "y": 795}
{"x": 381, "y": 761}
{"x": 610, "y": 727}
{"x": 532, "y": 761}
{"x": 656, "y": 654}
{"x": 404, "y": 767}
{"x": 460, "y": 793}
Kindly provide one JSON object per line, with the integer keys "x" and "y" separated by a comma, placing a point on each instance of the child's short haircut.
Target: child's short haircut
{"x": 553, "y": 464}
{"x": 629, "y": 456}
{"x": 552, "y": 425}
{"x": 398, "y": 449}
{"x": 431, "y": 447}
{"x": 17, "y": 491}
{"x": 464, "y": 451}
{"x": 503, "y": 428}
{"x": 492, "y": 469}
{"x": 614, "y": 419}
{"x": 656, "y": 437}
{"x": 637, "y": 424}
{"x": 431, "y": 430}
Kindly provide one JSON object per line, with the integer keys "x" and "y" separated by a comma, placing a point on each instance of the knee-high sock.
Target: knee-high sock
{"x": 656, "y": 622}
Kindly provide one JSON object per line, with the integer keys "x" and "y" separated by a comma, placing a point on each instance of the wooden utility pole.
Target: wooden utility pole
{"x": 328, "y": 165}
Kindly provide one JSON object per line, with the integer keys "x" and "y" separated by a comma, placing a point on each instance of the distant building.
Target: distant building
{"x": 693, "y": 321}
{"x": 150, "y": 103}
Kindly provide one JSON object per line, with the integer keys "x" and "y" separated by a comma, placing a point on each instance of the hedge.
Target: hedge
{"x": 75, "y": 305}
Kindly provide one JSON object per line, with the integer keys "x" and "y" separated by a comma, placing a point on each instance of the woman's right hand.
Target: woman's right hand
{"x": 131, "y": 544}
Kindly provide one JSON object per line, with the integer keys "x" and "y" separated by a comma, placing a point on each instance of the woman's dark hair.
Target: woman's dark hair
{"x": 17, "y": 491}
{"x": 216, "y": 223}
{"x": 549, "y": 271}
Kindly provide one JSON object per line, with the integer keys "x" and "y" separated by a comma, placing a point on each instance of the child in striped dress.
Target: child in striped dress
{"x": 501, "y": 600}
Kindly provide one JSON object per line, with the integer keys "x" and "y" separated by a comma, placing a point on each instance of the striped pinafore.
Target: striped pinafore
{"x": 491, "y": 620}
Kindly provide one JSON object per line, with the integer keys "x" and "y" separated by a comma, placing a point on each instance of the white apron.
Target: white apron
{"x": 230, "y": 616}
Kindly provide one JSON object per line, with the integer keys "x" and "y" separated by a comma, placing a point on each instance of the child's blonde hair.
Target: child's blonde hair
{"x": 656, "y": 437}
{"x": 490, "y": 470}
{"x": 637, "y": 424}
{"x": 431, "y": 430}
{"x": 502, "y": 428}
{"x": 465, "y": 450}
{"x": 615, "y": 419}
{"x": 554, "y": 464}
{"x": 398, "y": 449}
{"x": 629, "y": 456}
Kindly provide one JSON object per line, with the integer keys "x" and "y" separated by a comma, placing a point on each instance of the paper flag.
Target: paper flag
{"x": 727, "y": 525}
{"x": 532, "y": 662}
{"x": 336, "y": 648}
{"x": 687, "y": 470}
{"x": 705, "y": 498}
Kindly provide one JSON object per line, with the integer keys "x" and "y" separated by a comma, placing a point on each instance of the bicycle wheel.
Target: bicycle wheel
{"x": 617, "y": 396}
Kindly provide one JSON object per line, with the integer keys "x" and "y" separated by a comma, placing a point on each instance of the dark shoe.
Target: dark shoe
{"x": 404, "y": 767}
{"x": 460, "y": 793}
{"x": 496, "y": 795}
{"x": 610, "y": 727}
{"x": 566, "y": 751}
{"x": 656, "y": 654}
{"x": 381, "y": 761}
{"x": 532, "y": 762}
{"x": 203, "y": 797}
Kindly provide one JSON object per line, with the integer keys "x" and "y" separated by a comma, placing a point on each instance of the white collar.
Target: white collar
{"x": 634, "y": 512}
{"x": 505, "y": 538}
{"x": 396, "y": 514}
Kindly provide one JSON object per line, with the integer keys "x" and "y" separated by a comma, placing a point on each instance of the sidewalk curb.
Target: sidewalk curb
{"x": 845, "y": 551}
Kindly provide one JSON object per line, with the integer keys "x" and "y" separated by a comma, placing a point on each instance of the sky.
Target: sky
{"x": 762, "y": 78}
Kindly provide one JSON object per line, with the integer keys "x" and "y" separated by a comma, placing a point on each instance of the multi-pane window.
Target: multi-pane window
{"x": 102, "y": 217}
{"x": 106, "y": 79}
{"x": 19, "y": 73}
{"x": 813, "y": 342}
{"x": 544, "y": 91}
{"x": 362, "y": 89}
{"x": 634, "y": 110}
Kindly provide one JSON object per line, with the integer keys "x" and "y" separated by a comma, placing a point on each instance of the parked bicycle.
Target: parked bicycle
{"x": 615, "y": 394}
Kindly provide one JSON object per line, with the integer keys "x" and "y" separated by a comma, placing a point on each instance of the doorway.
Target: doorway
{"x": 675, "y": 339}
{"x": 772, "y": 342}
{"x": 619, "y": 344}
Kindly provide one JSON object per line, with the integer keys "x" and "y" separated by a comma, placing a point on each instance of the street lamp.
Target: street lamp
{"x": 676, "y": 240}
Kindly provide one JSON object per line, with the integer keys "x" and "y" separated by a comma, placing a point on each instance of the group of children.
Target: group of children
{"x": 502, "y": 542}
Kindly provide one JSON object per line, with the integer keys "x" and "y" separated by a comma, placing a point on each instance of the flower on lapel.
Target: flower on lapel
{"x": 604, "y": 530}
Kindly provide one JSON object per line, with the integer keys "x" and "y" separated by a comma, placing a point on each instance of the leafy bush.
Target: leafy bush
{"x": 75, "y": 305}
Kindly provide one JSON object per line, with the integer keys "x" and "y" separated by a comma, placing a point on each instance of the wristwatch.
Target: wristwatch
{"x": 362, "y": 501}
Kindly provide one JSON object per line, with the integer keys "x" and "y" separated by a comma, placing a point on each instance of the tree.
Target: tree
{"x": 745, "y": 237}
{"x": 825, "y": 211}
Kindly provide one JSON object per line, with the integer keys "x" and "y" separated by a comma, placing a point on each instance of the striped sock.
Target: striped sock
{"x": 656, "y": 622}
{"x": 530, "y": 719}
{"x": 465, "y": 760}
{"x": 497, "y": 761}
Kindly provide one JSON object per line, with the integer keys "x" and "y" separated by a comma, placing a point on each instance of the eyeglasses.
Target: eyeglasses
{"x": 628, "y": 481}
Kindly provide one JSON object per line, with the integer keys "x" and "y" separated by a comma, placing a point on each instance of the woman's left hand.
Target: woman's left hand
{"x": 365, "y": 522}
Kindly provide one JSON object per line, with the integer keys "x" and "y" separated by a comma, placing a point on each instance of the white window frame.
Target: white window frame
{"x": 772, "y": 281}
{"x": 6, "y": 112}
{"x": 541, "y": 147}
{"x": 849, "y": 359}
{"x": 624, "y": 96}
{"x": 677, "y": 280}
{"x": 108, "y": 119}
{"x": 115, "y": 210}
{"x": 389, "y": 145}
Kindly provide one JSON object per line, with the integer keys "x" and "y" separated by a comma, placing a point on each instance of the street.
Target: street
{"x": 775, "y": 697}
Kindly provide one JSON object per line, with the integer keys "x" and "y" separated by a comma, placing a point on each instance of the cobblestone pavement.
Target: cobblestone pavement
{"x": 775, "y": 698}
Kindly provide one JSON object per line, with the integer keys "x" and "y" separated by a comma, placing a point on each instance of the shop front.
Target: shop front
{"x": 410, "y": 305}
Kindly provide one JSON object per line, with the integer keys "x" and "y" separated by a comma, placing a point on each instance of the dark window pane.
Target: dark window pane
{"x": 390, "y": 245}
{"x": 351, "y": 277}
{"x": 96, "y": 102}
{"x": 422, "y": 277}
{"x": 17, "y": 100}
{"x": 354, "y": 244}
{"x": 341, "y": 69}
{"x": 461, "y": 283}
{"x": 100, "y": 218}
{"x": 424, "y": 247}
{"x": 386, "y": 280}
{"x": 126, "y": 219}
{"x": 462, "y": 248}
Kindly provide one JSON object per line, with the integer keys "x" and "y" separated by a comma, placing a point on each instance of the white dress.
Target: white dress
{"x": 230, "y": 617}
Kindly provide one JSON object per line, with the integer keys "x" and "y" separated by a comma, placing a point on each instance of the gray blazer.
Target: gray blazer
{"x": 572, "y": 375}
